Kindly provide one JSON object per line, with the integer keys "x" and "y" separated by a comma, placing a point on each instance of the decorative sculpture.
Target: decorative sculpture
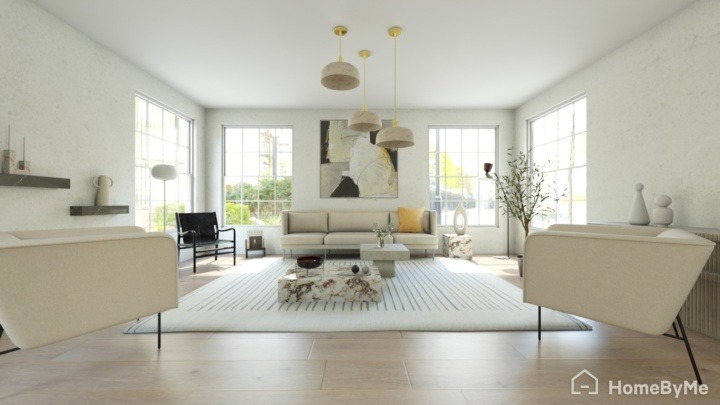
{"x": 462, "y": 214}
{"x": 103, "y": 184}
{"x": 662, "y": 214}
{"x": 638, "y": 212}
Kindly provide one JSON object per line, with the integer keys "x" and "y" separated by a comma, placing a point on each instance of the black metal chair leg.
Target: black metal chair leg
{"x": 539, "y": 323}
{"x": 194, "y": 260}
{"x": 689, "y": 350}
{"x": 159, "y": 330}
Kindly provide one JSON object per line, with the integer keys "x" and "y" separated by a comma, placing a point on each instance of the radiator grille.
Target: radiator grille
{"x": 701, "y": 309}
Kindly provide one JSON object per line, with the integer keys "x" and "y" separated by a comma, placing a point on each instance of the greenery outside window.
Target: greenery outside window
{"x": 257, "y": 169}
{"x": 161, "y": 136}
{"x": 457, "y": 155}
{"x": 558, "y": 140}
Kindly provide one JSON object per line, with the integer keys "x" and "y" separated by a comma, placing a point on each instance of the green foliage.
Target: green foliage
{"x": 521, "y": 190}
{"x": 170, "y": 210}
{"x": 242, "y": 208}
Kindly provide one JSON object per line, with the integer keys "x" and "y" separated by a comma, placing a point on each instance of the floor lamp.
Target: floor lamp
{"x": 164, "y": 172}
{"x": 487, "y": 167}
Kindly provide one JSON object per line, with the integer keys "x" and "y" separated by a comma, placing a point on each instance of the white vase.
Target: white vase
{"x": 462, "y": 214}
{"x": 638, "y": 212}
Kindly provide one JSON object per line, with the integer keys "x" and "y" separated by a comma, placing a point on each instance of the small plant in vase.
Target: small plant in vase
{"x": 381, "y": 233}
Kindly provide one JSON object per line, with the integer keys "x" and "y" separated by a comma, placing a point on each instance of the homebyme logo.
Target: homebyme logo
{"x": 586, "y": 383}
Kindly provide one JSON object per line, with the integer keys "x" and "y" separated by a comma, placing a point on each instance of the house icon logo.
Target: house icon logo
{"x": 584, "y": 383}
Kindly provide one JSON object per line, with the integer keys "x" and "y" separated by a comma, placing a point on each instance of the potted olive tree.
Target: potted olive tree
{"x": 521, "y": 194}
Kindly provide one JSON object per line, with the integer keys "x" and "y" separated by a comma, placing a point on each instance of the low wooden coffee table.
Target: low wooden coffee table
{"x": 384, "y": 257}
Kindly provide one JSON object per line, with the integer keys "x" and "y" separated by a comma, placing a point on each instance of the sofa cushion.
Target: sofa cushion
{"x": 410, "y": 220}
{"x": 308, "y": 238}
{"x": 416, "y": 239}
{"x": 394, "y": 221}
{"x": 303, "y": 222}
{"x": 356, "y": 221}
{"x": 352, "y": 238}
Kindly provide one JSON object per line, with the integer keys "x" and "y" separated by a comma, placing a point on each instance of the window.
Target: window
{"x": 559, "y": 142}
{"x": 456, "y": 173}
{"x": 161, "y": 136}
{"x": 258, "y": 174}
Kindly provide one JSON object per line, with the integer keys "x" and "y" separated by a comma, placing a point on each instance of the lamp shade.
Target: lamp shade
{"x": 164, "y": 172}
{"x": 340, "y": 76}
{"x": 364, "y": 121}
{"x": 395, "y": 137}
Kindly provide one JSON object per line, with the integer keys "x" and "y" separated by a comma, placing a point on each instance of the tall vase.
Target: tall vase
{"x": 103, "y": 184}
{"x": 381, "y": 242}
{"x": 638, "y": 212}
{"x": 462, "y": 214}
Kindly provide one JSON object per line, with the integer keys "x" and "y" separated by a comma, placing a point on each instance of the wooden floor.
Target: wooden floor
{"x": 350, "y": 368}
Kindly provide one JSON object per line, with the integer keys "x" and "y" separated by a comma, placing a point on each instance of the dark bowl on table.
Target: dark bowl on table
{"x": 309, "y": 262}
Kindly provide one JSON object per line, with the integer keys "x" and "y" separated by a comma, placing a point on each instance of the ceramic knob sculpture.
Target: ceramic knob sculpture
{"x": 103, "y": 184}
{"x": 662, "y": 214}
{"x": 638, "y": 212}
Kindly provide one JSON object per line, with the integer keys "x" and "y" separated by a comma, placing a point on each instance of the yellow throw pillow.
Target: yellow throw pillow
{"x": 410, "y": 220}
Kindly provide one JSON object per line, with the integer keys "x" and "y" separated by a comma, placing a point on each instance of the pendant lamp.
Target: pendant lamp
{"x": 396, "y": 136}
{"x": 340, "y": 75}
{"x": 364, "y": 120}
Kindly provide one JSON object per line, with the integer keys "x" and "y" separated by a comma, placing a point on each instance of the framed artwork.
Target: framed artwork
{"x": 256, "y": 242}
{"x": 351, "y": 166}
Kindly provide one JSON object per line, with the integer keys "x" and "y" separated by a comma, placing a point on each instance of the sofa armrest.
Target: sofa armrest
{"x": 284, "y": 222}
{"x": 636, "y": 282}
{"x": 55, "y": 289}
{"x": 433, "y": 222}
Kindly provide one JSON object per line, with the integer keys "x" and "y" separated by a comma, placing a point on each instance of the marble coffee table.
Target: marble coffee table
{"x": 384, "y": 257}
{"x": 329, "y": 283}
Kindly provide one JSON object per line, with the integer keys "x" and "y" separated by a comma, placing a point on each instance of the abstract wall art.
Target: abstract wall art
{"x": 351, "y": 166}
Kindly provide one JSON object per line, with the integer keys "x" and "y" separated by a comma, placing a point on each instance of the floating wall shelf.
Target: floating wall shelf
{"x": 24, "y": 180}
{"x": 77, "y": 210}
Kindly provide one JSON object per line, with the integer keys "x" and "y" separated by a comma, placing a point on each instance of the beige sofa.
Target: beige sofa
{"x": 332, "y": 230}
{"x": 58, "y": 284}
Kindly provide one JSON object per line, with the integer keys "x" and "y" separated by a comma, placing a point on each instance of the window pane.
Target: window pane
{"x": 258, "y": 170}
{"x": 560, "y": 138}
{"x": 455, "y": 169}
{"x": 161, "y": 137}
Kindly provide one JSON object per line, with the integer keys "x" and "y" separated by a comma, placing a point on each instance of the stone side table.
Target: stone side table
{"x": 457, "y": 246}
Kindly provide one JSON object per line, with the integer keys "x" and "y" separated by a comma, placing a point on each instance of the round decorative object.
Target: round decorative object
{"x": 638, "y": 212}
{"x": 309, "y": 262}
{"x": 662, "y": 214}
{"x": 462, "y": 214}
{"x": 365, "y": 269}
{"x": 355, "y": 268}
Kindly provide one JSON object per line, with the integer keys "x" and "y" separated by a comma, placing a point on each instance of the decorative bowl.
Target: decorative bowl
{"x": 309, "y": 262}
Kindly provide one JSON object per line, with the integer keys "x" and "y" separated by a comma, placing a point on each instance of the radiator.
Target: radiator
{"x": 701, "y": 310}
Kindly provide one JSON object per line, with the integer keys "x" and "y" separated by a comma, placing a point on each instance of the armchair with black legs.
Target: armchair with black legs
{"x": 199, "y": 231}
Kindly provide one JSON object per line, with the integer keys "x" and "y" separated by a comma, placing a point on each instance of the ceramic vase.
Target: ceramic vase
{"x": 103, "y": 184}
{"x": 638, "y": 212}
{"x": 461, "y": 214}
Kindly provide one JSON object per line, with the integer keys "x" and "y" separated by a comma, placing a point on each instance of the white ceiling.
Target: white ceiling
{"x": 452, "y": 54}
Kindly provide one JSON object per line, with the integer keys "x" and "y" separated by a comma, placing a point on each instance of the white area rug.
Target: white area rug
{"x": 439, "y": 295}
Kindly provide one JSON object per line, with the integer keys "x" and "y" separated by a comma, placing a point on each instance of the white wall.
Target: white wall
{"x": 74, "y": 102}
{"x": 412, "y": 162}
{"x": 653, "y": 118}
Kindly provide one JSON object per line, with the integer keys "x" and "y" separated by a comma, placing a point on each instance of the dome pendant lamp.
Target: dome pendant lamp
{"x": 395, "y": 136}
{"x": 340, "y": 75}
{"x": 364, "y": 120}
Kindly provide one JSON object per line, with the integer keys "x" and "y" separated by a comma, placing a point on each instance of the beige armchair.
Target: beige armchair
{"x": 633, "y": 277}
{"x": 58, "y": 284}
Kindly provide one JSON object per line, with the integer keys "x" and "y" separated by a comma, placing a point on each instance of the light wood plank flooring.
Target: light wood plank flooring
{"x": 391, "y": 367}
